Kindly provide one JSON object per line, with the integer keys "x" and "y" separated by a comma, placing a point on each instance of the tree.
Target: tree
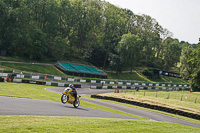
{"x": 126, "y": 52}
{"x": 96, "y": 55}
{"x": 58, "y": 52}
{"x": 150, "y": 32}
{"x": 3, "y": 18}
{"x": 194, "y": 63}
{"x": 36, "y": 47}
{"x": 185, "y": 68}
{"x": 171, "y": 52}
{"x": 114, "y": 23}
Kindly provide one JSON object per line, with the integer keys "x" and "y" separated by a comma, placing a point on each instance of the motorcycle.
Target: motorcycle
{"x": 68, "y": 96}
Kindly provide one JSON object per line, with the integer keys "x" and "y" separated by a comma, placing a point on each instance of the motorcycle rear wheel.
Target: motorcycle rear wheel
{"x": 64, "y": 98}
{"x": 77, "y": 103}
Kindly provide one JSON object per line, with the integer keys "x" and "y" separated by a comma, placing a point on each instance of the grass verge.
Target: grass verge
{"x": 45, "y": 69}
{"x": 143, "y": 77}
{"x": 125, "y": 76}
{"x": 27, "y": 91}
{"x": 81, "y": 124}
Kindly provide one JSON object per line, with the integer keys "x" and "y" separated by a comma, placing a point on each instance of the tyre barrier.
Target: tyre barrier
{"x": 146, "y": 105}
{"x": 2, "y": 79}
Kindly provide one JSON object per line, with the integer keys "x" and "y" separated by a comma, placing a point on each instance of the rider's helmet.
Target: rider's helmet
{"x": 71, "y": 86}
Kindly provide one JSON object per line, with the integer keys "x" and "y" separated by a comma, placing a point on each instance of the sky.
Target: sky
{"x": 181, "y": 17}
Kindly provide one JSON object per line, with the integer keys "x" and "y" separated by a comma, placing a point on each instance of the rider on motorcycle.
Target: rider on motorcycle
{"x": 74, "y": 91}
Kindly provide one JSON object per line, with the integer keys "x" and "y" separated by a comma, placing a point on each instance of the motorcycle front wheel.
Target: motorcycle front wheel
{"x": 64, "y": 98}
{"x": 76, "y": 104}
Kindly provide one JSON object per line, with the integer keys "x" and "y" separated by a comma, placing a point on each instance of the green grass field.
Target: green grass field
{"x": 125, "y": 76}
{"x": 6, "y": 58}
{"x": 27, "y": 91}
{"x": 10, "y": 124}
{"x": 139, "y": 77}
{"x": 43, "y": 69}
{"x": 184, "y": 96}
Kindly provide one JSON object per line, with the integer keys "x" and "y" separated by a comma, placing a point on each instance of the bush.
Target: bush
{"x": 146, "y": 72}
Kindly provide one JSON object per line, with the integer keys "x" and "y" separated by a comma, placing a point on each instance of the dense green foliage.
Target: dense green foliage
{"x": 195, "y": 65}
{"x": 190, "y": 65}
{"x": 146, "y": 72}
{"x": 93, "y": 30}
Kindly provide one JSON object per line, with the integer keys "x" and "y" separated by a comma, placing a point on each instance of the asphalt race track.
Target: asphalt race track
{"x": 21, "y": 106}
{"x": 139, "y": 112}
{"x": 31, "y": 107}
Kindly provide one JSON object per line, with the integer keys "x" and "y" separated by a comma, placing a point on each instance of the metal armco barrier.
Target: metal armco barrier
{"x": 156, "y": 86}
{"x": 4, "y": 74}
{"x": 139, "y": 87}
{"x": 111, "y": 87}
{"x": 135, "y": 83}
{"x": 146, "y": 105}
{"x": 42, "y": 83}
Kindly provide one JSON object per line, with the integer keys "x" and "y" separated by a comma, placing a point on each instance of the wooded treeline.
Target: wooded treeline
{"x": 95, "y": 31}
{"x": 101, "y": 33}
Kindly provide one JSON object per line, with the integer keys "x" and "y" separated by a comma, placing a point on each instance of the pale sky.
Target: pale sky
{"x": 181, "y": 17}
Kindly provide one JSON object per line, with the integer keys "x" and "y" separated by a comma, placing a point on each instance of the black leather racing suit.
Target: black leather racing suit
{"x": 75, "y": 93}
